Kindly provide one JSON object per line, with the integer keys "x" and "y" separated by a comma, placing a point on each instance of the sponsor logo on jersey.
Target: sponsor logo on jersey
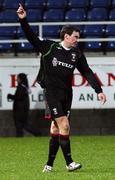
{"x": 55, "y": 63}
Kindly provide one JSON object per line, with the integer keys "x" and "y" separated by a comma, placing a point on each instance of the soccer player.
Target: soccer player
{"x": 60, "y": 60}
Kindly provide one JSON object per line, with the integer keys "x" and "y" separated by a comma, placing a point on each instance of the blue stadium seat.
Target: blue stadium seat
{"x": 93, "y": 45}
{"x": 113, "y": 3}
{"x": 1, "y": 4}
{"x": 53, "y": 15}
{"x": 78, "y": 4}
{"x": 20, "y": 32}
{"x": 99, "y": 3}
{"x": 7, "y": 31}
{"x": 112, "y": 15}
{"x": 75, "y": 15}
{"x": 111, "y": 44}
{"x": 10, "y": 4}
{"x": 110, "y": 30}
{"x": 34, "y": 4}
{"x": 93, "y": 30}
{"x": 97, "y": 14}
{"x": 50, "y": 31}
{"x": 56, "y": 4}
{"x": 24, "y": 46}
{"x": 8, "y": 16}
{"x": 5, "y": 46}
{"x": 34, "y": 15}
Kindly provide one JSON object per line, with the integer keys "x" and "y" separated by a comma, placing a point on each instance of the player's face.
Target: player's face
{"x": 72, "y": 39}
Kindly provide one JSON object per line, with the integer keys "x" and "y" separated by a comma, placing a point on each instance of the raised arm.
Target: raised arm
{"x": 39, "y": 45}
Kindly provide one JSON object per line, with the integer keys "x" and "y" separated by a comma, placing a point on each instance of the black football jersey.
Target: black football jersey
{"x": 60, "y": 63}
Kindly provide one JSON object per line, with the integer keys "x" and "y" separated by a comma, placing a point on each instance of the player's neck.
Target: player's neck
{"x": 65, "y": 45}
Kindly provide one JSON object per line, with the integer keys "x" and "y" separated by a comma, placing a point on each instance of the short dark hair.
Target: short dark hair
{"x": 68, "y": 29}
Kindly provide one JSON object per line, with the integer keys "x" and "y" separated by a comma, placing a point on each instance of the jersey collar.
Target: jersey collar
{"x": 62, "y": 44}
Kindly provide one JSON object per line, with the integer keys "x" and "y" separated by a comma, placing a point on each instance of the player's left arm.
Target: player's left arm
{"x": 86, "y": 71}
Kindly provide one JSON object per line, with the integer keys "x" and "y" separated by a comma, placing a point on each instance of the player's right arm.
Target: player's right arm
{"x": 39, "y": 45}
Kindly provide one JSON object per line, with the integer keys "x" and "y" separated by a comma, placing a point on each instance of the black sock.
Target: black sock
{"x": 53, "y": 148}
{"x": 65, "y": 146}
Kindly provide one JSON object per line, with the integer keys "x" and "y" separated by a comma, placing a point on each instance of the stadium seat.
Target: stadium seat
{"x": 97, "y": 14}
{"x": 111, "y": 44}
{"x": 24, "y": 46}
{"x": 113, "y": 3}
{"x": 75, "y": 15}
{"x": 8, "y": 4}
{"x": 34, "y": 15}
{"x": 29, "y": 4}
{"x": 78, "y": 4}
{"x": 20, "y": 32}
{"x": 56, "y": 4}
{"x": 53, "y": 15}
{"x": 93, "y": 30}
{"x": 7, "y": 31}
{"x": 8, "y": 16}
{"x": 1, "y": 4}
{"x": 112, "y": 15}
{"x": 51, "y": 31}
{"x": 110, "y": 30}
{"x": 99, "y": 3}
{"x": 5, "y": 46}
{"x": 93, "y": 45}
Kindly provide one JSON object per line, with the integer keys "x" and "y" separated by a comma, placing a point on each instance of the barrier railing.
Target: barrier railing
{"x": 41, "y": 24}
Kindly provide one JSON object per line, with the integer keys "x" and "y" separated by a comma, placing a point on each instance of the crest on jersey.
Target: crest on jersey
{"x": 55, "y": 111}
{"x": 73, "y": 57}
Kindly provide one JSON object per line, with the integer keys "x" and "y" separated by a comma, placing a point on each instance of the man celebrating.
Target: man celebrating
{"x": 60, "y": 60}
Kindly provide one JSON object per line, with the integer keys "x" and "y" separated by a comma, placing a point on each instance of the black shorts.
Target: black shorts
{"x": 59, "y": 101}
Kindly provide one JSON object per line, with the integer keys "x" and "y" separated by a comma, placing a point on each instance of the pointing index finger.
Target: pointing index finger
{"x": 20, "y": 5}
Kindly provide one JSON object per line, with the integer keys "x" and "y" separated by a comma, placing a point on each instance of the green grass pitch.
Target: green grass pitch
{"x": 24, "y": 159}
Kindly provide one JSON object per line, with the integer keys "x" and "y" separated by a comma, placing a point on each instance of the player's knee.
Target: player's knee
{"x": 54, "y": 129}
{"x": 65, "y": 127}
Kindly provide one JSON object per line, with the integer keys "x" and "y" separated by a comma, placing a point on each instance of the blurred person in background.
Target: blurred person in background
{"x": 60, "y": 59}
{"x": 20, "y": 104}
